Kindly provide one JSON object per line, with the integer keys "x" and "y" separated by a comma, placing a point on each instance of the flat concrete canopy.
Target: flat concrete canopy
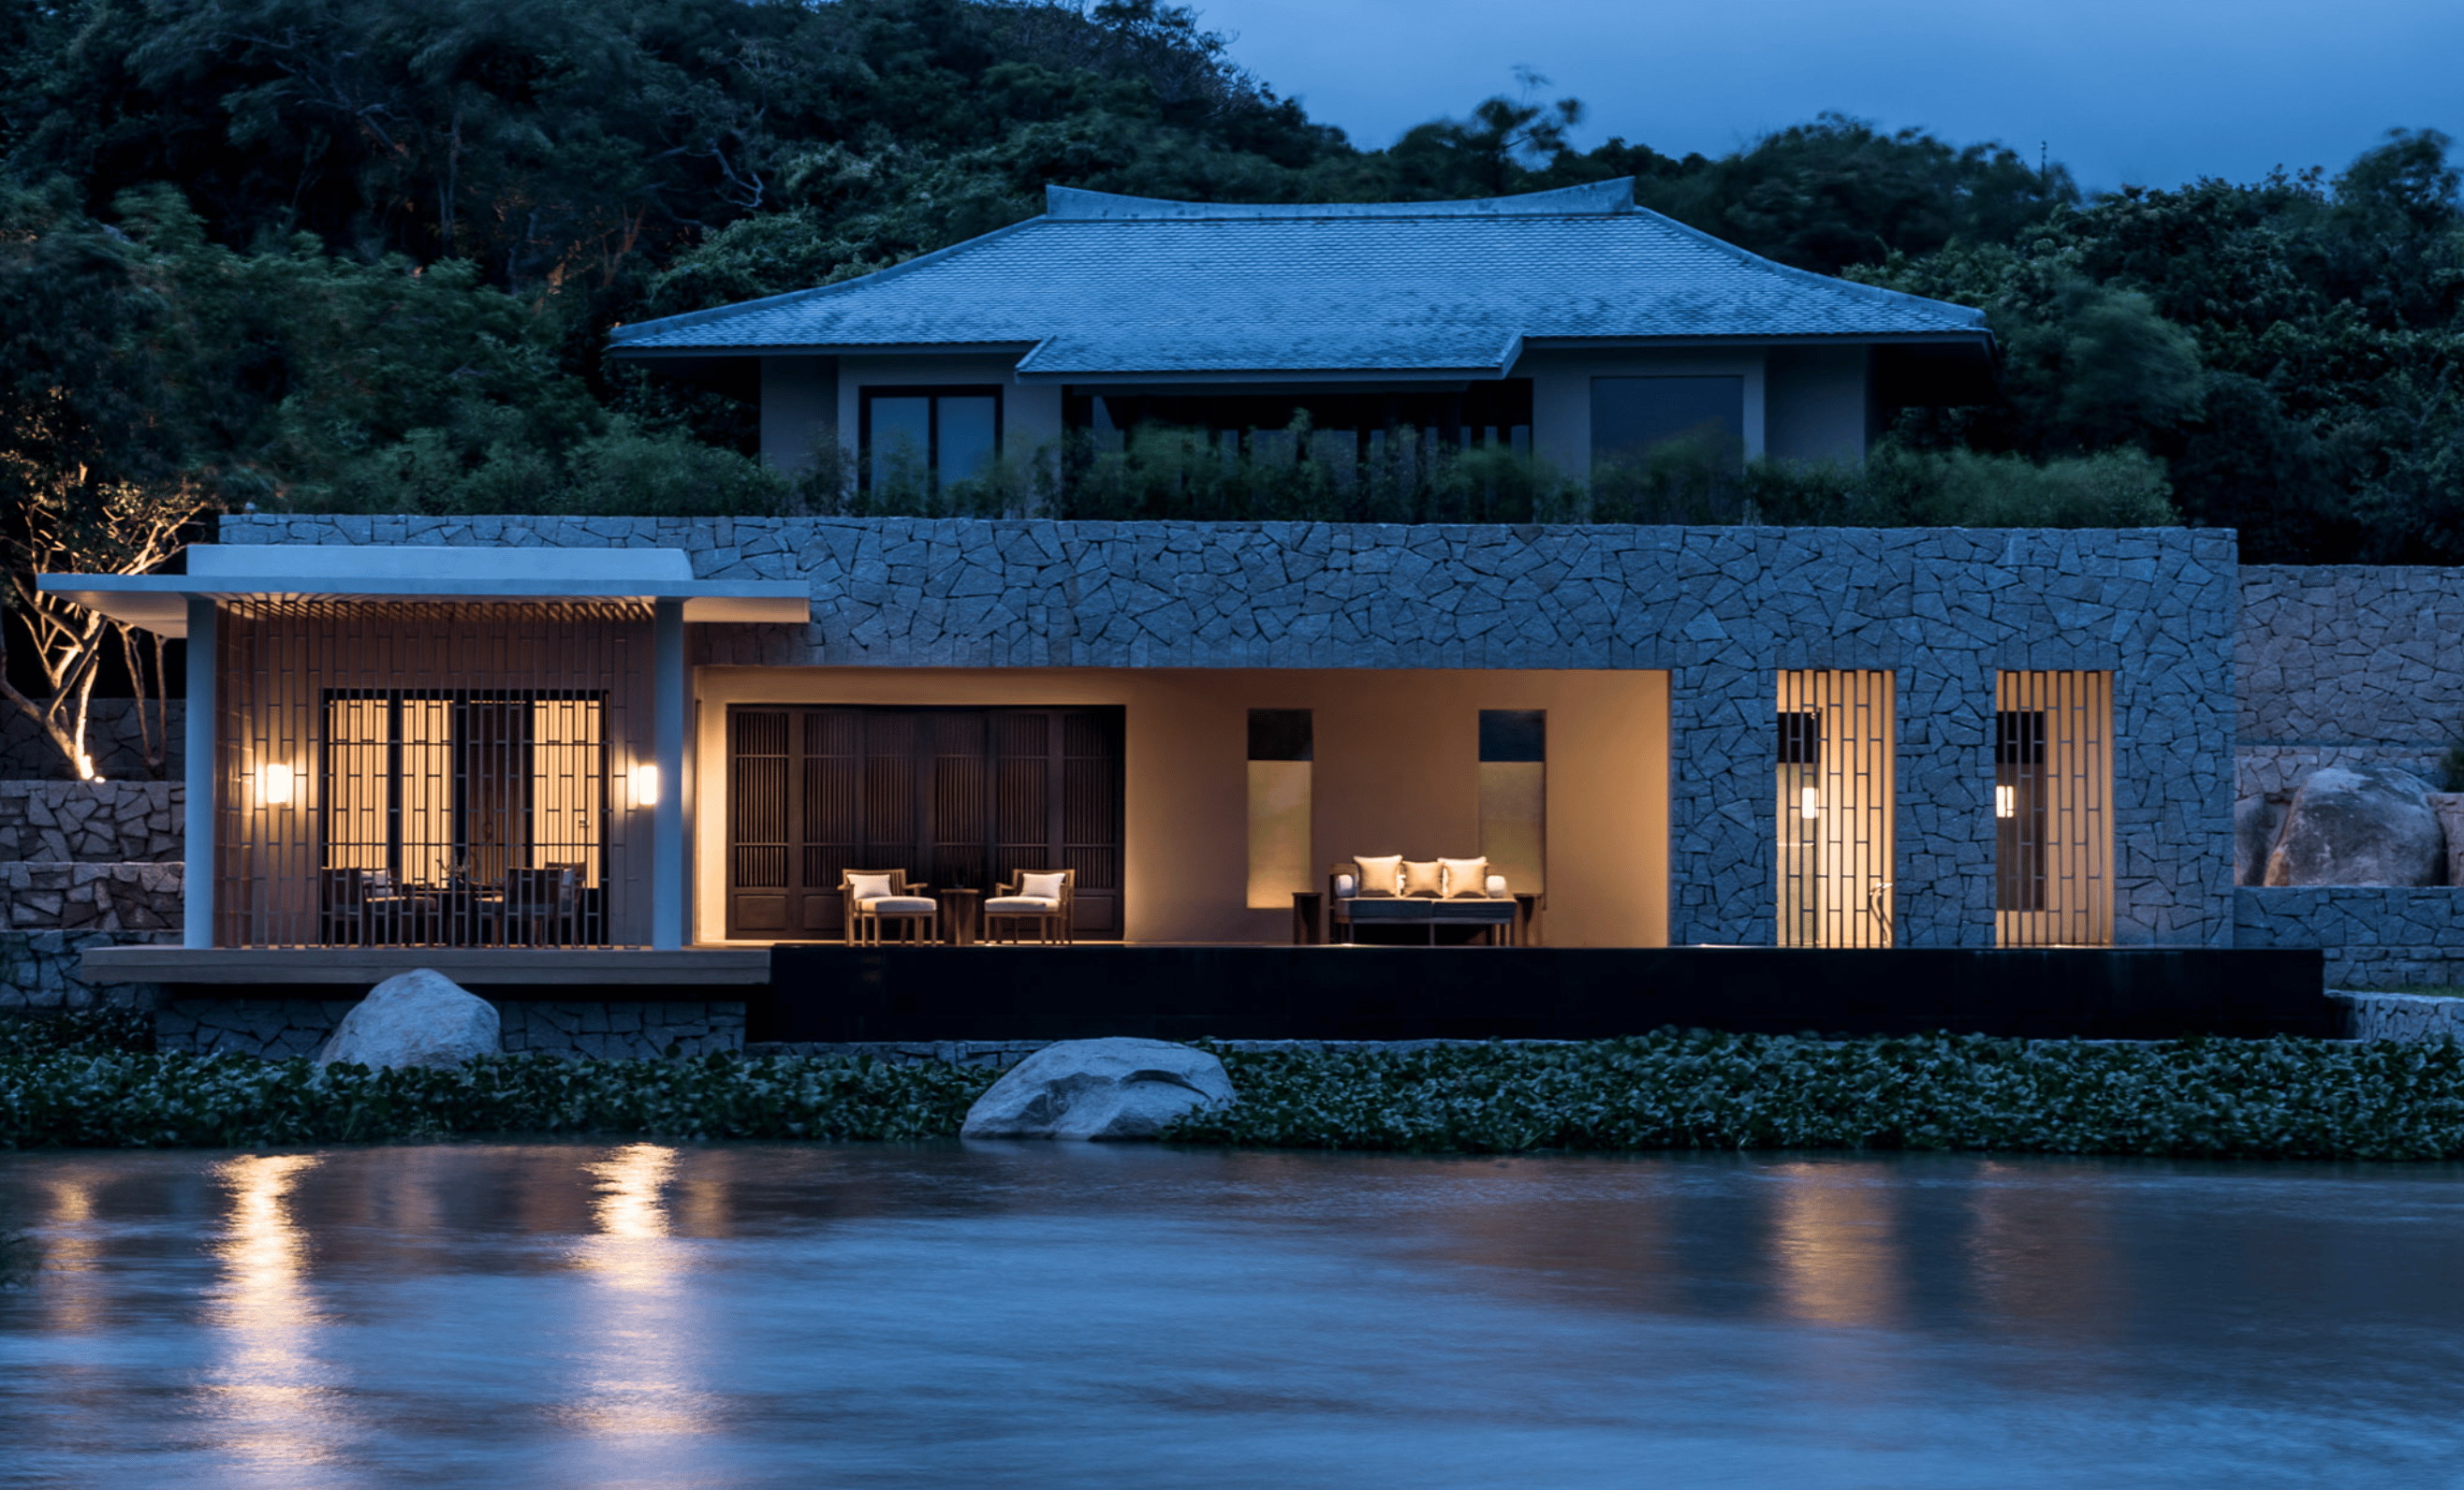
{"x": 158, "y": 602}
{"x": 557, "y": 967}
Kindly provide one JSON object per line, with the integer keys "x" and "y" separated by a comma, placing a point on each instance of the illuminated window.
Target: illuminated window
{"x": 1281, "y": 743}
{"x": 1833, "y": 736}
{"x": 2053, "y": 830}
{"x": 428, "y": 788}
{"x": 1514, "y": 797}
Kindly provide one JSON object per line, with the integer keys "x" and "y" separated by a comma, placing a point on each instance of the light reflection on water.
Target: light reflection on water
{"x": 652, "y": 1314}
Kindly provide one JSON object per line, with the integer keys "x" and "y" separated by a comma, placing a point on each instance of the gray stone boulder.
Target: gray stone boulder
{"x": 421, "y": 1018}
{"x": 2257, "y": 820}
{"x": 2359, "y": 825}
{"x": 1098, "y": 1090}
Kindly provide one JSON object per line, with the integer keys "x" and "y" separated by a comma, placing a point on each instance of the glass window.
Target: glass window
{"x": 1281, "y": 744}
{"x": 1632, "y": 417}
{"x": 1514, "y": 797}
{"x": 923, "y": 438}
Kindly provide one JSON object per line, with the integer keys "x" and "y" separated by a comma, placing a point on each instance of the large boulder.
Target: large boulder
{"x": 2359, "y": 825}
{"x": 2257, "y": 820}
{"x": 421, "y": 1018}
{"x": 1100, "y": 1090}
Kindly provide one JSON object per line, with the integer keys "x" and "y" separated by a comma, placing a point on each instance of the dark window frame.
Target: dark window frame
{"x": 932, "y": 393}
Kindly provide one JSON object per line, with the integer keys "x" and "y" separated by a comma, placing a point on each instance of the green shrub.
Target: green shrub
{"x": 104, "y": 1098}
{"x": 2271, "y": 1099}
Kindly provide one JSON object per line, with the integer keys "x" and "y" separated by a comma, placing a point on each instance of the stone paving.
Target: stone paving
{"x": 1719, "y": 607}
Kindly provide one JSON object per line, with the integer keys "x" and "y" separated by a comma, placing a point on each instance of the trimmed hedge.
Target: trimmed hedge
{"x": 2270, "y": 1099}
{"x": 104, "y": 1098}
{"x": 62, "y": 1084}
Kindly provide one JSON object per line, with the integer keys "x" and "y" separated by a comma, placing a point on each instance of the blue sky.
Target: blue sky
{"x": 2153, "y": 92}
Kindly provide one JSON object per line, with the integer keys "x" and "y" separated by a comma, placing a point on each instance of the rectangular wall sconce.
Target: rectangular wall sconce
{"x": 274, "y": 784}
{"x": 1809, "y": 802}
{"x": 646, "y": 786}
{"x": 2006, "y": 801}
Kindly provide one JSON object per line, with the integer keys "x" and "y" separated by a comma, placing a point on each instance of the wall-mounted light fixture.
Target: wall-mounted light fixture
{"x": 645, "y": 785}
{"x": 1809, "y": 802}
{"x": 2006, "y": 801}
{"x": 274, "y": 784}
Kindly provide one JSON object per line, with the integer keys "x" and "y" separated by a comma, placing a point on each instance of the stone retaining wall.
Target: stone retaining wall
{"x": 1721, "y": 608}
{"x": 38, "y": 971}
{"x": 2373, "y": 1015}
{"x": 92, "y": 821}
{"x": 2374, "y": 937}
{"x": 139, "y": 899}
{"x": 2335, "y": 655}
{"x": 278, "y": 1029}
{"x": 111, "y": 739}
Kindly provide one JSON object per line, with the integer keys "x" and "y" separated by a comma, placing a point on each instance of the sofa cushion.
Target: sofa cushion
{"x": 1421, "y": 880}
{"x": 898, "y": 904}
{"x": 1021, "y": 904}
{"x": 1046, "y": 887}
{"x": 1381, "y": 876}
{"x": 869, "y": 886}
{"x": 1465, "y": 878}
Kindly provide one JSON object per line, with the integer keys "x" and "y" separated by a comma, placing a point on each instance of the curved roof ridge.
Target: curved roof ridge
{"x": 1877, "y": 293}
{"x": 1075, "y": 204}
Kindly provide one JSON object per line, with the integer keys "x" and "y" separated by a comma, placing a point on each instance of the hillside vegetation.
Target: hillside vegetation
{"x": 356, "y": 255}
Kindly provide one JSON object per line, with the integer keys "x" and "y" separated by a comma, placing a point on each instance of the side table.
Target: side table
{"x": 1527, "y": 920}
{"x": 1309, "y": 917}
{"x": 963, "y": 910}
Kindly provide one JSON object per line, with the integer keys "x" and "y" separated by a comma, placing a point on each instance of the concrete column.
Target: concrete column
{"x": 668, "y": 848}
{"x": 197, "y": 882}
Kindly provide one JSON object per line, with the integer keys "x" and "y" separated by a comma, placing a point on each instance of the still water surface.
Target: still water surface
{"x": 1042, "y": 1315}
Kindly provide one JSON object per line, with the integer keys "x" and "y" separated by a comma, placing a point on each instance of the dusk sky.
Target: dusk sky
{"x": 2153, "y": 92}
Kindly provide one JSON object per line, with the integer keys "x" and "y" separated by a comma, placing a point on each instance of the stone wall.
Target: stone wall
{"x": 92, "y": 821}
{"x": 2400, "y": 1016}
{"x": 2375, "y": 937}
{"x": 38, "y": 971}
{"x": 1721, "y": 608}
{"x": 141, "y": 899}
{"x": 111, "y": 737}
{"x": 2347, "y": 664}
{"x": 278, "y": 1029}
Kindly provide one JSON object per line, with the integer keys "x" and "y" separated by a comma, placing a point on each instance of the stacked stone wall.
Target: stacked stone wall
{"x": 2375, "y": 937}
{"x": 113, "y": 737}
{"x": 2346, "y": 665}
{"x": 91, "y": 821}
{"x": 1722, "y": 609}
{"x": 2370, "y": 1015}
{"x": 139, "y": 899}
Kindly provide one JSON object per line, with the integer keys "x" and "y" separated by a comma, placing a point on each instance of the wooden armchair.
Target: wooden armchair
{"x": 539, "y": 905}
{"x": 345, "y": 908}
{"x": 1044, "y": 898}
{"x": 875, "y": 896}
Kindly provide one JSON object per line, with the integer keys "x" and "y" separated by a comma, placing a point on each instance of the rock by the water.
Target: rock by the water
{"x": 2257, "y": 820}
{"x": 1099, "y": 1089}
{"x": 421, "y": 1018}
{"x": 2359, "y": 825}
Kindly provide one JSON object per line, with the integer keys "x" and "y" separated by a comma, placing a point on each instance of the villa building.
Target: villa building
{"x": 545, "y": 752}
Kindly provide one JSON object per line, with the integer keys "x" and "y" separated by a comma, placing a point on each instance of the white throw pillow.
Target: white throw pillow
{"x": 1044, "y": 886}
{"x": 1463, "y": 877}
{"x": 1497, "y": 886}
{"x": 869, "y": 886}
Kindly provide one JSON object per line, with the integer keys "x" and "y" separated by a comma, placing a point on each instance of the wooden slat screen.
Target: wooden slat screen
{"x": 958, "y": 797}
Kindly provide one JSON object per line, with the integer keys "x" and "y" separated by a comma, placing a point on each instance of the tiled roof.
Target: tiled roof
{"x": 1106, "y": 286}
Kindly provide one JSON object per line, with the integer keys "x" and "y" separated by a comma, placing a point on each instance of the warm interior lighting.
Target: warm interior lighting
{"x": 645, "y": 785}
{"x": 274, "y": 784}
{"x": 1809, "y": 802}
{"x": 2006, "y": 801}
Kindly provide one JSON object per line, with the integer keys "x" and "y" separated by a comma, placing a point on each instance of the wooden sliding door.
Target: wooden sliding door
{"x": 960, "y": 798}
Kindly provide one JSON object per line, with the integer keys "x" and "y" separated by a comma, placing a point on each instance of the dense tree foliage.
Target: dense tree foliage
{"x": 362, "y": 255}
